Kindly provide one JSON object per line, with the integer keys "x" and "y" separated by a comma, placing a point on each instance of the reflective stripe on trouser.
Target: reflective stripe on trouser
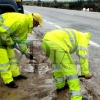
{"x": 63, "y": 60}
{"x": 13, "y": 63}
{"x": 5, "y": 71}
{"x": 59, "y": 76}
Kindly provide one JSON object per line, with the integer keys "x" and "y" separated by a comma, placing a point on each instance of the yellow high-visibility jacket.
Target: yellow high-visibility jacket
{"x": 14, "y": 27}
{"x": 72, "y": 41}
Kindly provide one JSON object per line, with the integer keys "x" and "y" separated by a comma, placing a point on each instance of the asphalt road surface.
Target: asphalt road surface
{"x": 80, "y": 20}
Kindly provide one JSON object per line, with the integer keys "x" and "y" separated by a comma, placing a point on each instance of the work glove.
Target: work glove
{"x": 88, "y": 76}
{"x": 63, "y": 88}
{"x": 12, "y": 46}
{"x": 4, "y": 45}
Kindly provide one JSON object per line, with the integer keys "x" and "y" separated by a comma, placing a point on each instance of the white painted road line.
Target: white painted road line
{"x": 91, "y": 42}
{"x": 58, "y": 26}
{"x": 94, "y": 44}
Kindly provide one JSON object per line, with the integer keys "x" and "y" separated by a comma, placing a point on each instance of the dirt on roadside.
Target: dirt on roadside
{"x": 40, "y": 82}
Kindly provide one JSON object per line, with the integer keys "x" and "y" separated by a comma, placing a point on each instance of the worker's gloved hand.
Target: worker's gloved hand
{"x": 12, "y": 46}
{"x": 5, "y": 45}
{"x": 29, "y": 56}
{"x": 88, "y": 76}
{"x": 9, "y": 46}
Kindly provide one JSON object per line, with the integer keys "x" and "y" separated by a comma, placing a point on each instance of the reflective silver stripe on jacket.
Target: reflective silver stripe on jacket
{"x": 56, "y": 67}
{"x": 5, "y": 37}
{"x": 75, "y": 93}
{"x": 75, "y": 43}
{"x": 73, "y": 40}
{"x": 70, "y": 37}
{"x": 83, "y": 57}
{"x": 6, "y": 64}
{"x": 6, "y": 28}
{"x": 13, "y": 58}
{"x": 5, "y": 70}
{"x": 13, "y": 63}
{"x": 22, "y": 44}
{"x": 1, "y": 19}
{"x": 59, "y": 79}
{"x": 81, "y": 48}
{"x": 15, "y": 38}
{"x": 72, "y": 77}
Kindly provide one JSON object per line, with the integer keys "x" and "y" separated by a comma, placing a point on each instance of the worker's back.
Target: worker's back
{"x": 68, "y": 39}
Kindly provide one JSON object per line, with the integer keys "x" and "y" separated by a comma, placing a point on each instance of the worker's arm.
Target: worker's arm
{"x": 7, "y": 30}
{"x": 84, "y": 65}
{"x": 27, "y": 54}
{"x": 83, "y": 61}
{"x": 5, "y": 36}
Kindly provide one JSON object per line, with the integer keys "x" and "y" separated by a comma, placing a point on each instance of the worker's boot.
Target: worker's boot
{"x": 88, "y": 76}
{"x": 20, "y": 77}
{"x": 65, "y": 87}
{"x": 12, "y": 85}
{"x": 84, "y": 98}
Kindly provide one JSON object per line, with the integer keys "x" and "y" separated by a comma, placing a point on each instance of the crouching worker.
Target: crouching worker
{"x": 59, "y": 45}
{"x": 14, "y": 28}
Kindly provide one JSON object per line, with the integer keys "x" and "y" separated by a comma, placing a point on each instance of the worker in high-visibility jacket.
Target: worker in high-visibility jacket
{"x": 59, "y": 45}
{"x": 20, "y": 6}
{"x": 14, "y": 28}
